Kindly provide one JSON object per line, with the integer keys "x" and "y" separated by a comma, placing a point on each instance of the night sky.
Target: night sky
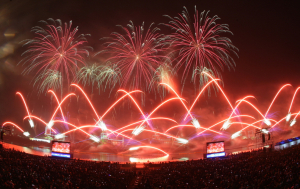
{"x": 265, "y": 32}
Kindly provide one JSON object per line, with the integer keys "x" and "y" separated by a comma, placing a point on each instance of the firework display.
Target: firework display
{"x": 55, "y": 51}
{"x": 139, "y": 62}
{"x": 136, "y": 58}
{"x": 135, "y": 132}
{"x": 198, "y": 43}
{"x": 137, "y": 53}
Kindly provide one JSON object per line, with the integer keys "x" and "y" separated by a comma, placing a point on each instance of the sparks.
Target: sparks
{"x": 26, "y": 133}
{"x": 236, "y": 135}
{"x": 196, "y": 123}
{"x": 293, "y": 122}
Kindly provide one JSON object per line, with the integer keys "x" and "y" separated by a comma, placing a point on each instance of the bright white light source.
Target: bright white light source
{"x": 31, "y": 123}
{"x": 182, "y": 140}
{"x": 293, "y": 122}
{"x": 40, "y": 140}
{"x": 50, "y": 124}
{"x": 288, "y": 117}
{"x": 94, "y": 138}
{"x": 226, "y": 124}
{"x": 267, "y": 122}
{"x": 134, "y": 148}
{"x": 236, "y": 135}
{"x": 26, "y": 134}
{"x": 265, "y": 131}
{"x": 196, "y": 123}
{"x": 138, "y": 130}
{"x": 59, "y": 136}
{"x": 102, "y": 125}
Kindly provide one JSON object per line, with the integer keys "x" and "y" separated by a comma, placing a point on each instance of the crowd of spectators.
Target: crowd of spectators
{"x": 258, "y": 169}
{"x": 21, "y": 170}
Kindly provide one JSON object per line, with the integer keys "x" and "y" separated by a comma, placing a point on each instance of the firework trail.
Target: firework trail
{"x": 203, "y": 79}
{"x": 55, "y": 49}
{"x": 198, "y": 43}
{"x": 137, "y": 53}
{"x": 163, "y": 74}
{"x": 138, "y": 128}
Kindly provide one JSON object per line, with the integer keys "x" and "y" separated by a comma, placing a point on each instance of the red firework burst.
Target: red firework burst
{"x": 55, "y": 47}
{"x": 136, "y": 53}
{"x": 199, "y": 44}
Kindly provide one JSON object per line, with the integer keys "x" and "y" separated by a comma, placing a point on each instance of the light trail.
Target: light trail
{"x": 11, "y": 123}
{"x": 18, "y": 93}
{"x": 86, "y": 97}
{"x": 227, "y": 124}
{"x": 116, "y": 103}
{"x": 57, "y": 103}
{"x": 189, "y": 111}
{"x": 147, "y": 160}
{"x": 140, "y": 125}
{"x": 224, "y": 121}
{"x": 251, "y": 125}
{"x": 179, "y": 98}
{"x": 137, "y": 147}
{"x": 253, "y": 107}
{"x": 192, "y": 126}
{"x": 239, "y": 102}
{"x": 157, "y": 132}
{"x": 122, "y": 90}
{"x": 179, "y": 126}
{"x": 297, "y": 115}
{"x": 159, "y": 107}
{"x": 35, "y": 117}
{"x": 219, "y": 88}
{"x": 293, "y": 99}
{"x": 31, "y": 123}
{"x": 277, "y": 122}
{"x": 142, "y": 121}
{"x": 85, "y": 126}
{"x": 276, "y": 97}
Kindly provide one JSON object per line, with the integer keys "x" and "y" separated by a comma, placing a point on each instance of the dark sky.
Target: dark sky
{"x": 266, "y": 33}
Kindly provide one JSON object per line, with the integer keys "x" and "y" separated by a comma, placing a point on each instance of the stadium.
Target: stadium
{"x": 169, "y": 97}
